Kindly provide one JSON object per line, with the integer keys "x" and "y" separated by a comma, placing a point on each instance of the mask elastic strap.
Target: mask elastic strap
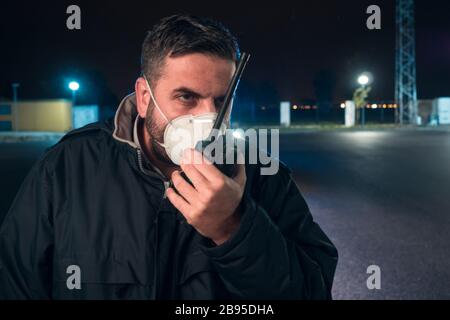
{"x": 157, "y": 107}
{"x": 154, "y": 100}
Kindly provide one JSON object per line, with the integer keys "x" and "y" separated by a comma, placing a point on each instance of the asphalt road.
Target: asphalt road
{"x": 383, "y": 197}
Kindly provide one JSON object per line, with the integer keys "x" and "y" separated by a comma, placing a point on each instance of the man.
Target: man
{"x": 97, "y": 216}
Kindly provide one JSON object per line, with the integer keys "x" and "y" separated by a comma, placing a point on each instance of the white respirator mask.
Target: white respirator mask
{"x": 185, "y": 131}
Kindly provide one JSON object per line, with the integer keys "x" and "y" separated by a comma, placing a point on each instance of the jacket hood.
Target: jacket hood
{"x": 124, "y": 120}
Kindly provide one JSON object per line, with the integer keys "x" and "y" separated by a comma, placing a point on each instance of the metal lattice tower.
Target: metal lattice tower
{"x": 405, "y": 63}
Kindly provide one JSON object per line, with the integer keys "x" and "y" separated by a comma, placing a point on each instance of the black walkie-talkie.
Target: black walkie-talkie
{"x": 229, "y": 169}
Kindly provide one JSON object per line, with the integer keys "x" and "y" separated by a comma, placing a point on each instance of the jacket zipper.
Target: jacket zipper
{"x": 156, "y": 261}
{"x": 145, "y": 171}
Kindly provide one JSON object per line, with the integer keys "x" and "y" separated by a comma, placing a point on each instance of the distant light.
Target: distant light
{"x": 238, "y": 134}
{"x": 374, "y": 106}
{"x": 342, "y": 105}
{"x": 384, "y": 106}
{"x": 363, "y": 79}
{"x": 294, "y": 107}
{"x": 263, "y": 108}
{"x": 74, "y": 86}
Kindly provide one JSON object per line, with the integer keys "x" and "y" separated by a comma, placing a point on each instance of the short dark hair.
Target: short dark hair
{"x": 182, "y": 34}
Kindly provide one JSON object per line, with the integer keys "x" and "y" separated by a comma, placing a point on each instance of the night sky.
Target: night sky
{"x": 296, "y": 46}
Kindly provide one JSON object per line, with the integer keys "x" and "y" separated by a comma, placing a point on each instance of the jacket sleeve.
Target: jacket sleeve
{"x": 26, "y": 240}
{"x": 278, "y": 251}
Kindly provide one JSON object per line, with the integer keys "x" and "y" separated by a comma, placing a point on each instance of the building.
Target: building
{"x": 55, "y": 115}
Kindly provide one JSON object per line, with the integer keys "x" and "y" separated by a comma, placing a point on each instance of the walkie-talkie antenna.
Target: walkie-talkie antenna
{"x": 231, "y": 89}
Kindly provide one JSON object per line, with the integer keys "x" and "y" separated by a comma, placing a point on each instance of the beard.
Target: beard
{"x": 156, "y": 134}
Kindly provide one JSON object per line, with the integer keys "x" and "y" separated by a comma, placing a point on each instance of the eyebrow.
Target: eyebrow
{"x": 192, "y": 92}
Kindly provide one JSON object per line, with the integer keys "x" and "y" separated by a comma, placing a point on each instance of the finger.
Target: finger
{"x": 203, "y": 165}
{"x": 183, "y": 187}
{"x": 178, "y": 202}
{"x": 191, "y": 156}
{"x": 195, "y": 176}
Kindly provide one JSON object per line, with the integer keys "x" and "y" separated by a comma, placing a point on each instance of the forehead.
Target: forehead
{"x": 203, "y": 73}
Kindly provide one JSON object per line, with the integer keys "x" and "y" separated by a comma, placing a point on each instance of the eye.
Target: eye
{"x": 187, "y": 98}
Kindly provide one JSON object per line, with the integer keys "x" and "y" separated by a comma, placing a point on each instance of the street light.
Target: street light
{"x": 74, "y": 86}
{"x": 364, "y": 79}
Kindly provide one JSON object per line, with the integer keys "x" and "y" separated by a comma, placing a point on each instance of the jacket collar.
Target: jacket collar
{"x": 125, "y": 120}
{"x": 125, "y": 127}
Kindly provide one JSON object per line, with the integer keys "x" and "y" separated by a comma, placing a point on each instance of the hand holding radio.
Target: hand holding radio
{"x": 210, "y": 204}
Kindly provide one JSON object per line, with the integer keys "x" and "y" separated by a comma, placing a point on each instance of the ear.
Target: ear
{"x": 142, "y": 96}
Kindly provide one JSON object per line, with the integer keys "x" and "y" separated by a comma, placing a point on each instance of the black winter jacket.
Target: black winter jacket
{"x": 93, "y": 202}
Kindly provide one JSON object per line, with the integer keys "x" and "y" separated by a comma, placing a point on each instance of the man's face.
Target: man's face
{"x": 190, "y": 84}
